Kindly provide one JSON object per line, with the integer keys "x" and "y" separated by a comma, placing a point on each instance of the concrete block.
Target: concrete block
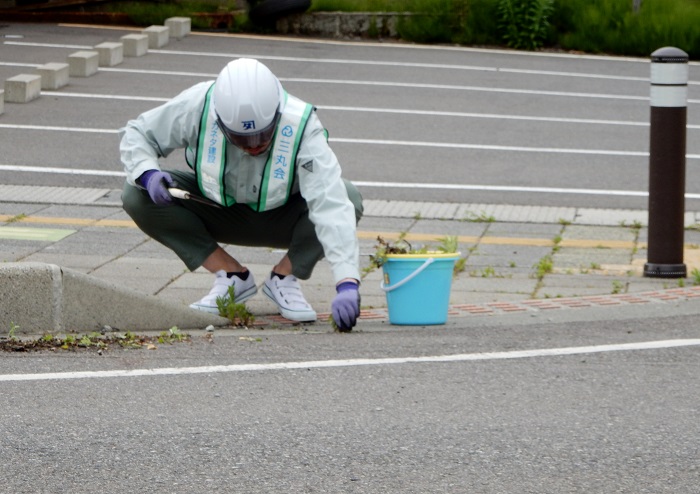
{"x": 53, "y": 75}
{"x": 135, "y": 45}
{"x": 22, "y": 88}
{"x": 179, "y": 27}
{"x": 83, "y": 63}
{"x": 158, "y": 36}
{"x": 45, "y": 298}
{"x": 110, "y": 54}
{"x": 2, "y": 101}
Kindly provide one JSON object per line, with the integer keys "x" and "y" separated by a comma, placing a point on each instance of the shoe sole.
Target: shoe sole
{"x": 215, "y": 310}
{"x": 290, "y": 314}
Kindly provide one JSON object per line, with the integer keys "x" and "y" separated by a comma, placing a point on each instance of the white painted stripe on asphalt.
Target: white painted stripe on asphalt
{"x": 355, "y": 83}
{"x": 386, "y": 63}
{"x": 530, "y": 92}
{"x": 445, "y": 145}
{"x": 505, "y": 188}
{"x": 388, "y": 142}
{"x": 105, "y": 96}
{"x": 60, "y": 171}
{"x": 487, "y": 147}
{"x": 399, "y": 111}
{"x": 493, "y": 116}
{"x": 453, "y": 87}
{"x": 55, "y": 128}
{"x": 325, "y": 364}
{"x": 398, "y": 185}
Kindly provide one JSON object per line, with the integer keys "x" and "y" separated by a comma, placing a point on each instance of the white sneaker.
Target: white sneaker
{"x": 242, "y": 291}
{"x": 286, "y": 293}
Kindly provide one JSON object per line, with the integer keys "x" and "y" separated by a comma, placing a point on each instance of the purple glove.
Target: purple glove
{"x": 156, "y": 183}
{"x": 346, "y": 305}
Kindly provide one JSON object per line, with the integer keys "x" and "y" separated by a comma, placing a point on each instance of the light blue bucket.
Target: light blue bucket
{"x": 417, "y": 287}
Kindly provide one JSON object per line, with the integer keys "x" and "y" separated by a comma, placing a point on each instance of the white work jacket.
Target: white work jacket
{"x": 176, "y": 124}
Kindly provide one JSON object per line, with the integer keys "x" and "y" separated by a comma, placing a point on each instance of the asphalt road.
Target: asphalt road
{"x": 577, "y": 402}
{"x": 407, "y": 122}
{"x": 539, "y": 406}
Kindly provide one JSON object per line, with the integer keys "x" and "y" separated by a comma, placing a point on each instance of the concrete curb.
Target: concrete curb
{"x": 45, "y": 298}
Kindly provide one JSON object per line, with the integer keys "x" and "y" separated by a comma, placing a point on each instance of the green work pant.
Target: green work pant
{"x": 193, "y": 230}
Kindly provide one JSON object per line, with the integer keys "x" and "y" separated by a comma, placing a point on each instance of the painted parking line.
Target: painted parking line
{"x": 324, "y": 364}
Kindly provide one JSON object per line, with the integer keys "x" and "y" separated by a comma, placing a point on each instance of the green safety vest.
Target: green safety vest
{"x": 278, "y": 174}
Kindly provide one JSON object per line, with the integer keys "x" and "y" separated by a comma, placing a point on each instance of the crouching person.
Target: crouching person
{"x": 262, "y": 174}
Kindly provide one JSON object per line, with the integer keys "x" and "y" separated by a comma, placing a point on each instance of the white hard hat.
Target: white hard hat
{"x": 248, "y": 100}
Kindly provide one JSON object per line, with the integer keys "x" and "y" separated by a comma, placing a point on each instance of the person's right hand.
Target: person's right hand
{"x": 156, "y": 183}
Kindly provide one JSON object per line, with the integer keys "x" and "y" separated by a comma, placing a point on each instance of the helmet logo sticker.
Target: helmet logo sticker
{"x": 248, "y": 124}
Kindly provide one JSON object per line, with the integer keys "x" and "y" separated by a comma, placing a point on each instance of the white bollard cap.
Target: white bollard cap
{"x": 669, "y": 78}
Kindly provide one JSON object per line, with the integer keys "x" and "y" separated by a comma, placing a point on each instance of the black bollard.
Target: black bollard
{"x": 667, "y": 144}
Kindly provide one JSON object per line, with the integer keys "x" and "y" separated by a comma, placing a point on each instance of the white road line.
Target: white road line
{"x": 324, "y": 364}
{"x": 490, "y": 147}
{"x": 60, "y": 171}
{"x": 104, "y": 96}
{"x": 55, "y": 128}
{"x": 492, "y": 116}
{"x": 388, "y": 142}
{"x": 446, "y": 87}
{"x": 359, "y": 109}
{"x": 383, "y": 63}
{"x": 371, "y": 83}
{"x": 505, "y": 188}
{"x": 384, "y": 185}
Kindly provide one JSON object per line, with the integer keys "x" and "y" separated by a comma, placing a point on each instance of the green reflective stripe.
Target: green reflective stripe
{"x": 280, "y": 168}
{"x": 211, "y": 155}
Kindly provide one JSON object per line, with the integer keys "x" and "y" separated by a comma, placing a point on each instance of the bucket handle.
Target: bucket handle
{"x": 408, "y": 278}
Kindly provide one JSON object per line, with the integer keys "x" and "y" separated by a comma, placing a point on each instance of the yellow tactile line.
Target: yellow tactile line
{"x": 525, "y": 241}
{"x": 365, "y": 235}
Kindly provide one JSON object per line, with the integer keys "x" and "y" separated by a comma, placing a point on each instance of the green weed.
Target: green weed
{"x": 172, "y": 335}
{"x": 617, "y": 287}
{"x": 17, "y": 218}
{"x": 544, "y": 266}
{"x": 482, "y": 217}
{"x": 695, "y": 274}
{"x": 12, "y": 334}
{"x": 238, "y": 314}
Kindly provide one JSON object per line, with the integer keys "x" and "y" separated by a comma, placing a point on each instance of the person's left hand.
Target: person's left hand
{"x": 346, "y": 306}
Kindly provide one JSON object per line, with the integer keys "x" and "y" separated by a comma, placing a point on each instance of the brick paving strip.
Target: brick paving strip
{"x": 525, "y": 306}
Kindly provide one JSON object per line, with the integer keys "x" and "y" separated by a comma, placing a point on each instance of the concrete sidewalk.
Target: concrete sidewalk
{"x": 518, "y": 259}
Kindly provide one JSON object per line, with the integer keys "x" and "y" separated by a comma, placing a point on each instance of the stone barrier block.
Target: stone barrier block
{"x": 22, "y": 88}
{"x": 158, "y": 36}
{"x": 110, "y": 54}
{"x": 179, "y": 27}
{"x": 135, "y": 45}
{"x": 53, "y": 75}
{"x": 83, "y": 63}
